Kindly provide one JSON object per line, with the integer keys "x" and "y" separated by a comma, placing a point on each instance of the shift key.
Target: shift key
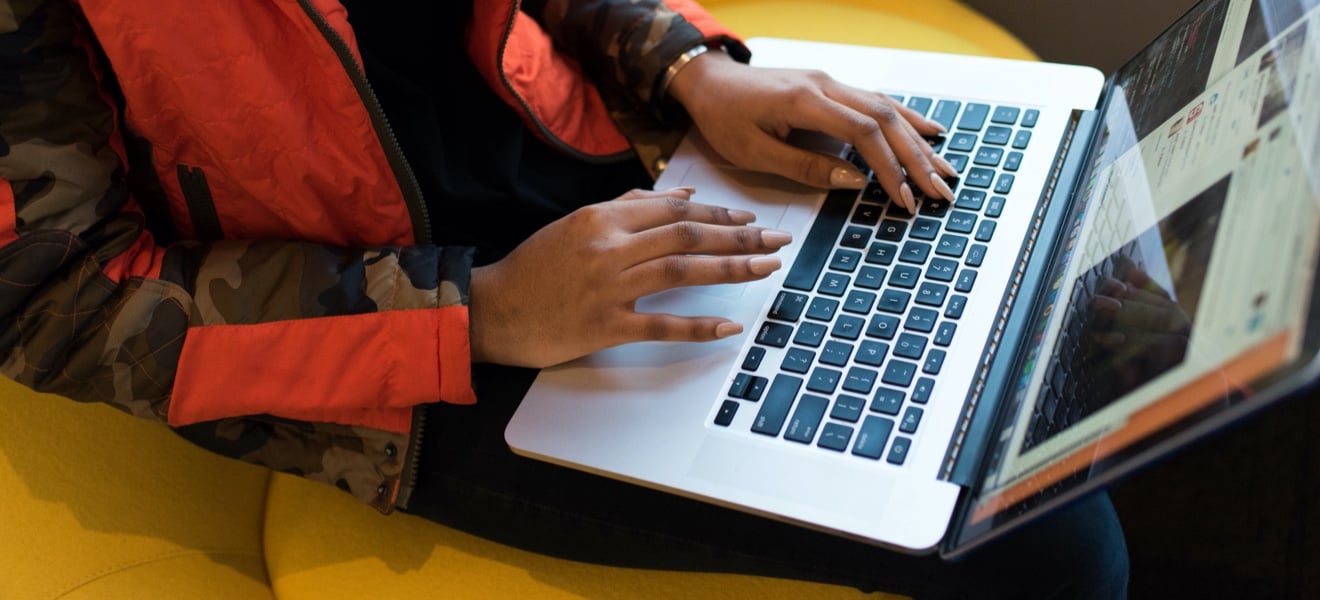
{"x": 778, "y": 400}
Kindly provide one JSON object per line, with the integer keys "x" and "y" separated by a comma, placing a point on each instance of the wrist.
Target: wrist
{"x": 682, "y": 77}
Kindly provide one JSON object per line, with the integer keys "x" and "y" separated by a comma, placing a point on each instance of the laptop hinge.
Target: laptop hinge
{"x": 983, "y": 398}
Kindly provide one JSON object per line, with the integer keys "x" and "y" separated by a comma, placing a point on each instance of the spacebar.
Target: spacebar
{"x": 820, "y": 240}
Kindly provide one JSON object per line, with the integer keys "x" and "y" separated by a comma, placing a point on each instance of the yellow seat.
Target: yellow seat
{"x": 100, "y": 505}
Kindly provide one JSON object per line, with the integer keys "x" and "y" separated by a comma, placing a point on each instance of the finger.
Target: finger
{"x": 690, "y": 237}
{"x": 925, "y": 127}
{"x": 683, "y": 192}
{"x": 911, "y": 150}
{"x": 942, "y": 166}
{"x": 865, "y": 132}
{"x": 641, "y": 327}
{"x": 643, "y": 212}
{"x": 679, "y": 270}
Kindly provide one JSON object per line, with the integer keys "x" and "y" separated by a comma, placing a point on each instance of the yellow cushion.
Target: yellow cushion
{"x": 932, "y": 25}
{"x": 98, "y": 504}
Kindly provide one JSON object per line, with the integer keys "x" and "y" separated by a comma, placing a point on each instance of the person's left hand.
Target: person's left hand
{"x": 746, "y": 113}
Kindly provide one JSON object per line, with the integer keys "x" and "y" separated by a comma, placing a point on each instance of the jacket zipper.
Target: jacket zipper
{"x": 201, "y": 206}
{"x": 527, "y": 109}
{"x": 412, "y": 196}
{"x": 412, "y": 191}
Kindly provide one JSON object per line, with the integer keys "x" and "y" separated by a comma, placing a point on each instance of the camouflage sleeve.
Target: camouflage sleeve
{"x": 91, "y": 308}
{"x": 626, "y": 45}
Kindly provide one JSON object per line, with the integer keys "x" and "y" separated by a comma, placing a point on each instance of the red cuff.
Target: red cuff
{"x": 455, "y": 356}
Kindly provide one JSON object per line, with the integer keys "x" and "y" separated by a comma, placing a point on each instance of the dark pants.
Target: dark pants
{"x": 470, "y": 480}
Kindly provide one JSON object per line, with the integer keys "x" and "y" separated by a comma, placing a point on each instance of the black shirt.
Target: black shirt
{"x": 487, "y": 181}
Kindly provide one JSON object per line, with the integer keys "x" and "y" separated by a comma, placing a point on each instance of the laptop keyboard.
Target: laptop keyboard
{"x": 869, "y": 308}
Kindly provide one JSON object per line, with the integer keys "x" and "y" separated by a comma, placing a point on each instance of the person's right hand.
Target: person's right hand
{"x": 571, "y": 288}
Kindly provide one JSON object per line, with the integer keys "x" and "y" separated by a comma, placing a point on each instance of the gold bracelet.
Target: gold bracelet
{"x": 682, "y": 61}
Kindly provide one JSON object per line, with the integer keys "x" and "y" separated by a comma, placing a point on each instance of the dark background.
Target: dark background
{"x": 1235, "y": 516}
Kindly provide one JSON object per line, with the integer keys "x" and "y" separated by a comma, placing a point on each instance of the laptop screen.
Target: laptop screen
{"x": 1181, "y": 292}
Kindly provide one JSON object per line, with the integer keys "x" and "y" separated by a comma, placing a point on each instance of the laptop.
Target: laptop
{"x": 1128, "y": 267}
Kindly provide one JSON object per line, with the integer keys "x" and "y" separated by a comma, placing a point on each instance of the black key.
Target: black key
{"x": 740, "y": 383}
{"x": 942, "y": 269}
{"x": 798, "y": 360}
{"x": 937, "y": 143}
{"x": 1013, "y": 162}
{"x": 891, "y": 230}
{"x": 859, "y": 302}
{"x": 973, "y": 118}
{"x": 788, "y": 306}
{"x": 961, "y": 222}
{"x": 833, "y": 284}
{"x": 976, "y": 255}
{"x": 822, "y": 309}
{"x": 951, "y": 245}
{"x": 816, "y": 248}
{"x": 970, "y": 200}
{"x": 872, "y": 437}
{"x": 910, "y": 346}
{"x": 836, "y": 353}
{"x": 887, "y": 401}
{"x": 806, "y": 418}
{"x": 824, "y": 380}
{"x": 899, "y": 373}
{"x": 874, "y": 193}
{"x": 962, "y": 142}
{"x": 980, "y": 178}
{"x": 881, "y": 253}
{"x": 932, "y": 294}
{"x": 925, "y": 229}
{"x": 871, "y": 278}
{"x": 844, "y": 260}
{"x": 985, "y": 231}
{"x": 956, "y": 306}
{"x": 859, "y": 380}
{"x": 898, "y": 451}
{"x": 894, "y": 301}
{"x": 911, "y": 419}
{"x": 966, "y": 279}
{"x": 881, "y": 327}
{"x": 855, "y": 237}
{"x": 727, "y": 411}
{"x": 945, "y": 111}
{"x": 847, "y": 408}
{"x": 934, "y": 362}
{"x": 905, "y": 276}
{"x": 988, "y": 156}
{"x": 914, "y": 252}
{"x": 921, "y": 319}
{"x": 919, "y": 104}
{"x": 1021, "y": 140}
{"x": 944, "y": 336}
{"x": 1005, "y": 115}
{"x": 867, "y": 214}
{"x": 934, "y": 207}
{"x": 997, "y": 135}
{"x": 848, "y": 328}
{"x": 755, "y": 388}
{"x": 957, "y": 161}
{"x": 753, "y": 360}
{"x": 770, "y": 419}
{"x": 835, "y": 436}
{"x": 856, "y": 159}
{"x": 774, "y": 334}
{"x": 872, "y": 353}
{"x": 921, "y": 391}
{"x": 810, "y": 334}
{"x": 1005, "y": 184}
{"x": 1029, "y": 118}
{"x": 996, "y": 206}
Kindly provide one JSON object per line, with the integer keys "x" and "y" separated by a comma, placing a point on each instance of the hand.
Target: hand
{"x": 1141, "y": 331}
{"x": 571, "y": 288}
{"x": 745, "y": 113}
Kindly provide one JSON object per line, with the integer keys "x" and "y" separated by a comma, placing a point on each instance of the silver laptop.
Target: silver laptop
{"x": 1128, "y": 266}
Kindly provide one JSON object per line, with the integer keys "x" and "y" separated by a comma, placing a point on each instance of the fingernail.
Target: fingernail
{"x": 724, "y": 330}
{"x": 685, "y": 188}
{"x": 775, "y": 238}
{"x": 763, "y": 265}
{"x": 1107, "y": 304}
{"x": 741, "y": 217}
{"x": 847, "y": 178}
{"x": 937, "y": 126}
{"x": 909, "y": 201}
{"x": 946, "y": 166}
{"x": 940, "y": 185}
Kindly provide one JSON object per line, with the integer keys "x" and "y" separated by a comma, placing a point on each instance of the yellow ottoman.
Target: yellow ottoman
{"x": 99, "y": 505}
